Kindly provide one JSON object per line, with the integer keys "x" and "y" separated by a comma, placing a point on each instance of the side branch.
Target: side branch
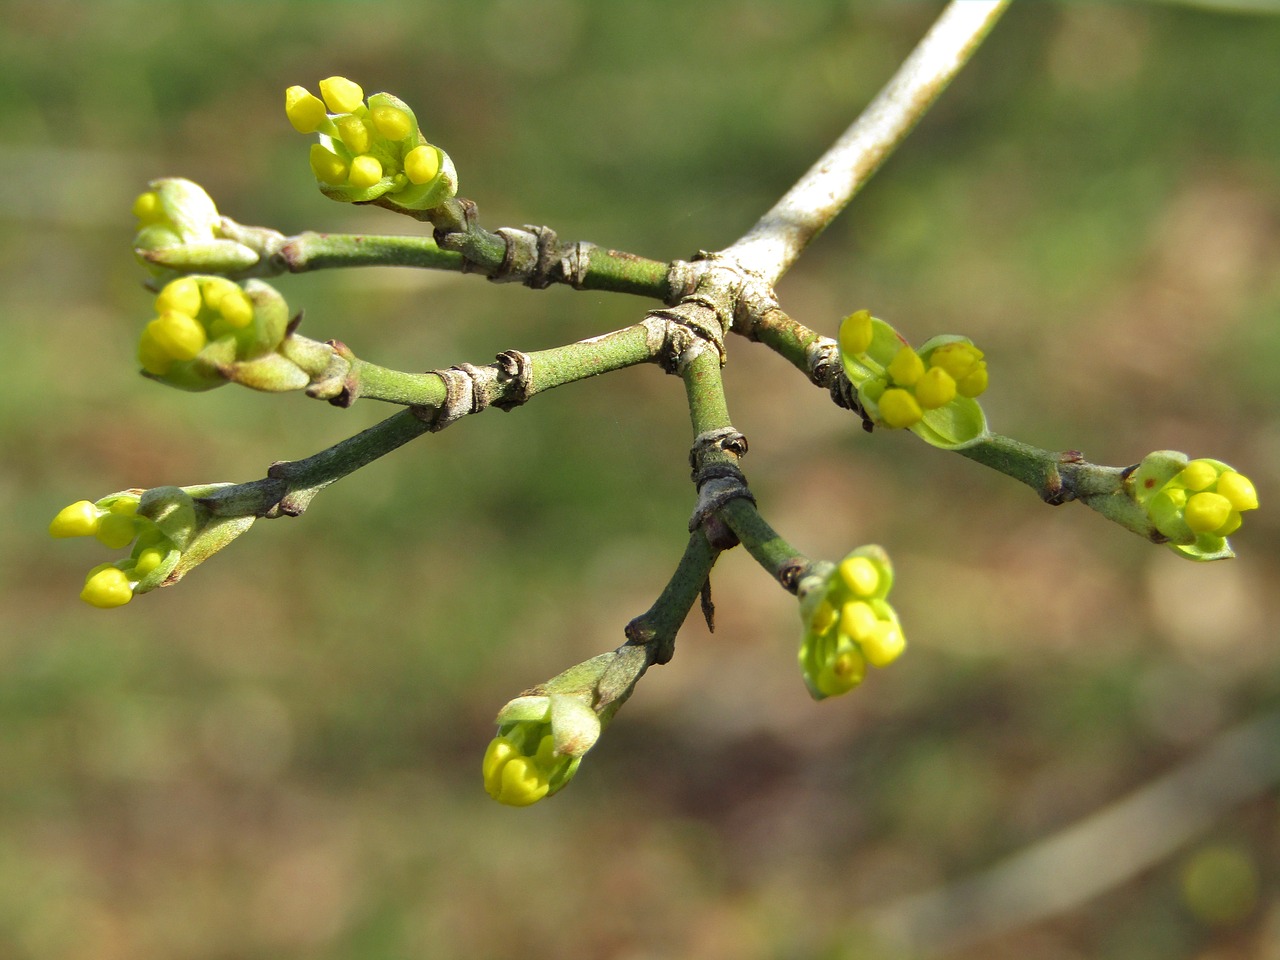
{"x": 771, "y": 246}
{"x": 531, "y": 255}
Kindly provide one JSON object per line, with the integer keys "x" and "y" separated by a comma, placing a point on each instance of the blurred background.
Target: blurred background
{"x": 281, "y": 757}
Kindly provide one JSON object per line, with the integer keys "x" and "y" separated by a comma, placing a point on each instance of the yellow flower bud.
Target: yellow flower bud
{"x": 116, "y": 530}
{"x": 958, "y": 359}
{"x": 341, "y": 95}
{"x": 973, "y": 384}
{"x": 1206, "y": 512}
{"x": 1199, "y": 475}
{"x": 883, "y": 644}
{"x": 79, "y": 519}
{"x": 391, "y": 122}
{"x": 857, "y": 620}
{"x": 855, "y": 333}
{"x": 327, "y": 166}
{"x": 178, "y": 335}
{"x": 181, "y": 296}
{"x": 365, "y": 171}
{"x": 354, "y": 133}
{"x": 963, "y": 362}
{"x": 236, "y": 308}
{"x": 213, "y": 289}
{"x": 935, "y": 389}
{"x": 148, "y": 560}
{"x": 106, "y": 587}
{"x": 898, "y": 408}
{"x": 422, "y": 163}
{"x": 512, "y": 778}
{"x": 906, "y": 368}
{"x": 148, "y": 208}
{"x": 860, "y": 575}
{"x": 305, "y": 111}
{"x": 1238, "y": 489}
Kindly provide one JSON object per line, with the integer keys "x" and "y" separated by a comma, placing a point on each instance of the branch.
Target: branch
{"x": 771, "y": 246}
{"x": 530, "y": 255}
{"x": 656, "y": 628}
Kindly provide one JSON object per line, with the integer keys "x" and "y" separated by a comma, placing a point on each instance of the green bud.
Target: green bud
{"x": 1192, "y": 504}
{"x": 180, "y": 230}
{"x": 170, "y": 529}
{"x": 848, "y": 622}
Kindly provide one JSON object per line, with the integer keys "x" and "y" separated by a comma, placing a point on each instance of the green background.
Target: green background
{"x": 280, "y": 758}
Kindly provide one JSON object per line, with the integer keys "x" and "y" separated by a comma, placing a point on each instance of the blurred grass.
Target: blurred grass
{"x": 280, "y": 758}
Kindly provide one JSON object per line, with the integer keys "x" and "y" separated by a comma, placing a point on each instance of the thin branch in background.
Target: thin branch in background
{"x": 775, "y": 242}
{"x": 1095, "y": 855}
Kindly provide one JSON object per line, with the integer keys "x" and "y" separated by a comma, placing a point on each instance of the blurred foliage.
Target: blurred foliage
{"x": 281, "y": 758}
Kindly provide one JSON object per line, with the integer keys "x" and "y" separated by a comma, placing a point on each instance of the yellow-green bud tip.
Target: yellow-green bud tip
{"x": 182, "y": 295}
{"x": 305, "y": 110}
{"x": 898, "y": 408}
{"x": 1239, "y": 489}
{"x": 327, "y": 166}
{"x": 422, "y": 163}
{"x": 906, "y": 367}
{"x": 341, "y": 95}
{"x": 177, "y": 335}
{"x": 510, "y": 777}
{"x": 883, "y": 644}
{"x": 935, "y": 389}
{"x": 79, "y": 519}
{"x": 391, "y": 122}
{"x": 365, "y": 172}
{"x": 354, "y": 133}
{"x": 860, "y": 575}
{"x": 106, "y": 587}
{"x": 148, "y": 207}
{"x": 855, "y": 333}
{"x": 1207, "y": 512}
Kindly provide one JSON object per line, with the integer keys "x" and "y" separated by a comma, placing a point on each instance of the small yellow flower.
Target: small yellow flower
{"x": 365, "y": 171}
{"x": 392, "y": 123}
{"x": 837, "y": 646}
{"x": 305, "y": 111}
{"x": 422, "y": 163}
{"x": 906, "y": 368}
{"x": 935, "y": 388}
{"x": 106, "y": 587}
{"x": 1195, "y": 504}
{"x": 856, "y": 332}
{"x": 899, "y": 408}
{"x": 354, "y": 133}
{"x": 371, "y": 150}
{"x": 79, "y": 519}
{"x": 341, "y": 95}
{"x": 327, "y": 166}
{"x": 515, "y": 779}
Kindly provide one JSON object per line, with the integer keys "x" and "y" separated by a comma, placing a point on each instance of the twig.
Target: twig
{"x": 771, "y": 246}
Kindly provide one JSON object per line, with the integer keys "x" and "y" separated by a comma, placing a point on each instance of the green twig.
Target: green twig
{"x": 321, "y": 251}
{"x": 657, "y": 627}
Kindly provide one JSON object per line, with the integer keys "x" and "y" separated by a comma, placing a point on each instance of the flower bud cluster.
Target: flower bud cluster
{"x": 541, "y": 740}
{"x": 164, "y": 528}
{"x": 848, "y": 623}
{"x": 179, "y": 229}
{"x": 930, "y": 390}
{"x": 209, "y": 330}
{"x": 369, "y": 150}
{"x": 1196, "y": 504}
